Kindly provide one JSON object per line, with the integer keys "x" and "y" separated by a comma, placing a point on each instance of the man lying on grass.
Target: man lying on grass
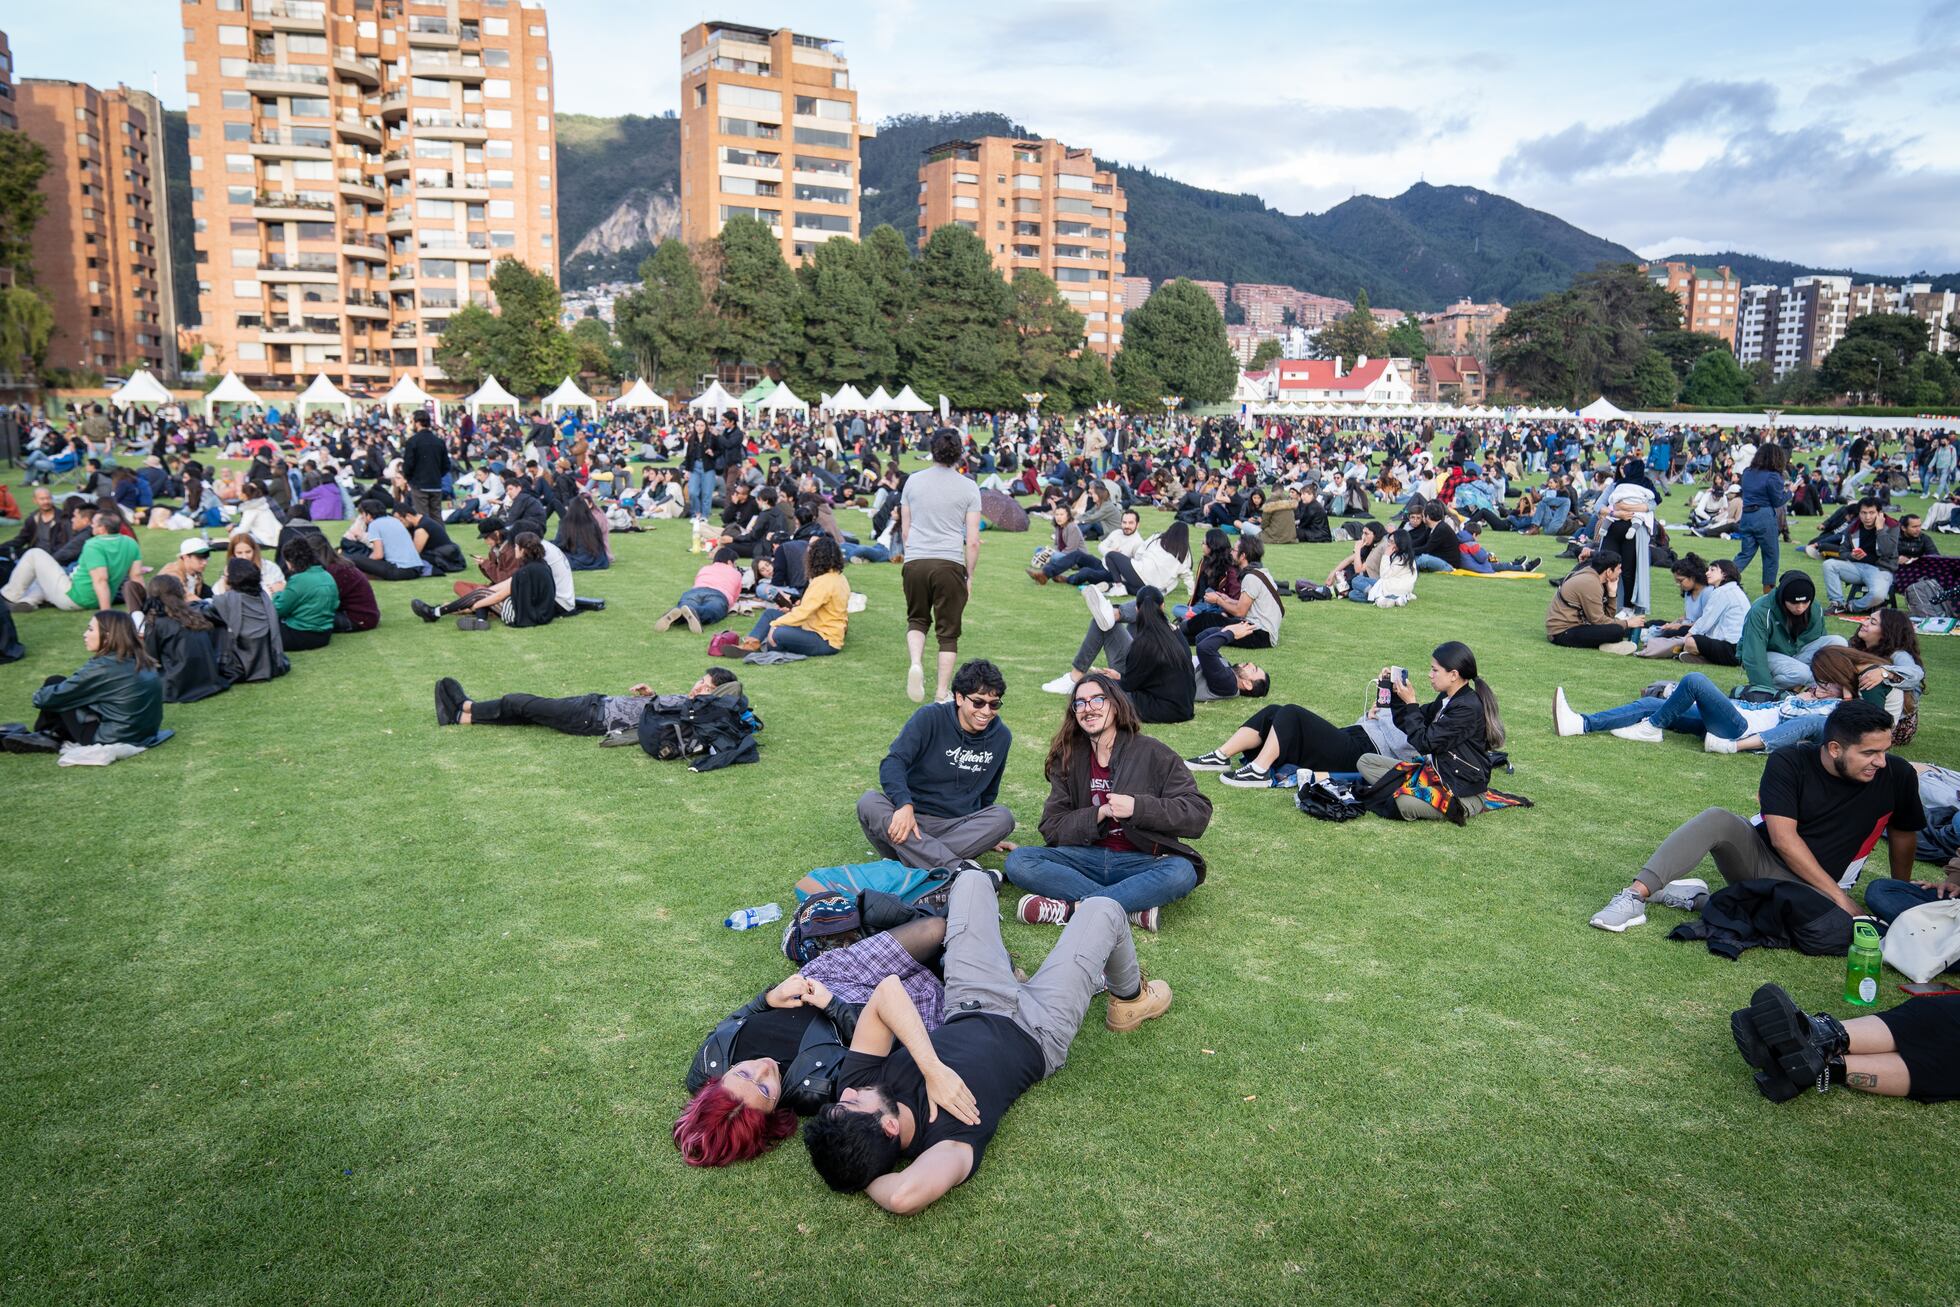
{"x": 614, "y": 716}
{"x": 936, "y": 1102}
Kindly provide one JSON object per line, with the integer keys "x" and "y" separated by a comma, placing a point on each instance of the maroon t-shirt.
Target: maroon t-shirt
{"x": 1113, "y": 837}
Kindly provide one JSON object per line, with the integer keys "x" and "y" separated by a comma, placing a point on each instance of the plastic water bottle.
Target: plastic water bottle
{"x": 1862, "y": 965}
{"x": 750, "y": 918}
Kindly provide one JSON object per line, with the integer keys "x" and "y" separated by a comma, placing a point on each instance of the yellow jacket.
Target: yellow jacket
{"x": 824, "y": 609}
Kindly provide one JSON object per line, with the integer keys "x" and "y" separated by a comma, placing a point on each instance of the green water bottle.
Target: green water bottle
{"x": 1862, "y": 964}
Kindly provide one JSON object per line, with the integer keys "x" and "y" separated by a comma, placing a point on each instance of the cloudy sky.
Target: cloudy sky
{"x": 1808, "y": 130}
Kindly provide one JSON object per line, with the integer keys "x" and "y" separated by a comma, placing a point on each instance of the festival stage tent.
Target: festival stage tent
{"x": 907, "y": 402}
{"x": 1604, "y": 410}
{"x": 491, "y": 394}
{"x": 568, "y": 395}
{"x": 781, "y": 399}
{"x": 715, "y": 399}
{"x": 141, "y": 388}
{"x": 638, "y": 395}
{"x": 230, "y": 391}
{"x": 879, "y": 401}
{"x": 848, "y": 399}
{"x": 406, "y": 393}
{"x": 323, "y": 393}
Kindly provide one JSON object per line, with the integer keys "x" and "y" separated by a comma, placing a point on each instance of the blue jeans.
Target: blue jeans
{"x": 1838, "y": 572}
{"x": 1067, "y": 561}
{"x": 1359, "y": 587}
{"x": 700, "y": 491}
{"x": 1135, "y": 880}
{"x": 1888, "y": 898}
{"x": 708, "y": 603}
{"x": 1757, "y": 530}
{"x": 1430, "y": 563}
{"x": 869, "y": 553}
{"x": 789, "y": 639}
{"x": 1697, "y": 705}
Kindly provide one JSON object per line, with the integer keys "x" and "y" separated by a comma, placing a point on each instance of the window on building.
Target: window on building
{"x": 496, "y": 58}
{"x": 825, "y": 140}
{"x": 228, "y": 35}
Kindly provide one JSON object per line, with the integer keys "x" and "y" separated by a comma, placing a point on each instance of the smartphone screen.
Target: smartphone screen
{"x": 1930, "y": 991}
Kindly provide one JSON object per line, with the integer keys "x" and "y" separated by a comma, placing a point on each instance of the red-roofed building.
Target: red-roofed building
{"x": 1322, "y": 381}
{"x": 1450, "y": 379}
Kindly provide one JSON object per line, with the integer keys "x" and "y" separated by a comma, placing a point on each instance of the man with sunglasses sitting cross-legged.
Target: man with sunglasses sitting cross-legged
{"x": 934, "y": 805}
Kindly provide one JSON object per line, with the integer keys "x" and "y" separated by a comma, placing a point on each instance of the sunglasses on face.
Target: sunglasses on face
{"x": 1093, "y": 701}
{"x": 985, "y": 705}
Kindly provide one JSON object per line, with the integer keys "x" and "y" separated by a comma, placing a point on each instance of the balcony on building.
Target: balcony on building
{"x": 429, "y": 30}
{"x": 291, "y": 143}
{"x": 364, "y": 69}
{"x": 357, "y": 185}
{"x": 283, "y": 79}
{"x": 451, "y": 186}
{"x": 371, "y": 248}
{"x": 290, "y": 15}
{"x": 393, "y": 105}
{"x": 396, "y": 163}
{"x": 359, "y": 129}
{"x": 437, "y": 125}
{"x": 319, "y": 269}
{"x": 277, "y": 206}
{"x": 467, "y": 69}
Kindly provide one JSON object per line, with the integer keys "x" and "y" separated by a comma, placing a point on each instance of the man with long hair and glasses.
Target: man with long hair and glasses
{"x": 935, "y": 802}
{"x": 1120, "y": 806}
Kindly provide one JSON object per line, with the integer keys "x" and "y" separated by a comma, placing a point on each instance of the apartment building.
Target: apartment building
{"x": 1711, "y": 298}
{"x": 1450, "y": 379}
{"x": 1037, "y": 204}
{"x": 8, "y": 121}
{"x": 357, "y": 167}
{"x": 1135, "y": 291}
{"x": 1935, "y": 308}
{"x": 742, "y": 89}
{"x": 1464, "y": 327}
{"x": 100, "y": 251}
{"x": 1797, "y": 326}
{"x": 1216, "y": 289}
{"x": 1264, "y": 306}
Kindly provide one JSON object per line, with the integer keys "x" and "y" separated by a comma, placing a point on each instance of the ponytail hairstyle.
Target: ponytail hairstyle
{"x": 1731, "y": 574}
{"x": 1455, "y": 656}
{"x": 1691, "y": 565}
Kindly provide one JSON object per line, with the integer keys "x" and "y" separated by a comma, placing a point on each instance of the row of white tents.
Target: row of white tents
{"x": 1283, "y": 408}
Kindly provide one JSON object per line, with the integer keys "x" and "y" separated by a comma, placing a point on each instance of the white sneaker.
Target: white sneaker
{"x": 1063, "y": 684}
{"x": 1564, "y": 720}
{"x": 1643, "y": 730}
{"x": 1716, "y": 744}
{"x": 1115, "y": 591}
{"x": 1100, "y": 608}
{"x": 1145, "y": 920}
{"x": 1687, "y": 895}
{"x": 1626, "y": 911}
{"x": 915, "y": 683}
{"x": 1619, "y": 647}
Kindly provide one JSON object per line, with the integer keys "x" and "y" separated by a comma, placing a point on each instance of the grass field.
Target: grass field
{"x": 320, "y": 1003}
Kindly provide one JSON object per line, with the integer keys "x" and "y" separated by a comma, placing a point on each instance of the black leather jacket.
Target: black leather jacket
{"x": 1452, "y": 737}
{"x": 809, "y": 1081}
{"x": 126, "y": 700}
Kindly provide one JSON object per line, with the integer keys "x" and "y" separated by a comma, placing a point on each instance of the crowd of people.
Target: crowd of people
{"x": 903, "y": 1050}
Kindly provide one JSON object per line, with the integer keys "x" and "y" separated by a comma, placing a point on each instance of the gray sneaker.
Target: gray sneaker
{"x": 1687, "y": 895}
{"x": 619, "y": 739}
{"x": 1626, "y": 911}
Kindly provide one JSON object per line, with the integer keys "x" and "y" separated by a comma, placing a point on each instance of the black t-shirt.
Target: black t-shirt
{"x": 1443, "y": 544}
{"x": 996, "y": 1058}
{"x": 776, "y": 1033}
{"x": 1839, "y": 819}
{"x": 433, "y": 525}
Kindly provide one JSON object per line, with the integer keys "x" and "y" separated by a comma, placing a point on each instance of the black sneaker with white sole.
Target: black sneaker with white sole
{"x": 1213, "y": 761}
{"x": 1249, "y": 777}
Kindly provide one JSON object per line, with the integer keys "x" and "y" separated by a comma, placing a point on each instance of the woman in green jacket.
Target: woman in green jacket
{"x": 1783, "y": 632}
{"x": 116, "y": 697}
{"x": 307, "y": 605}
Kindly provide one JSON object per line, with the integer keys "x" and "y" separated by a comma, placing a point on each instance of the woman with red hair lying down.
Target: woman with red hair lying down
{"x": 774, "y": 1060}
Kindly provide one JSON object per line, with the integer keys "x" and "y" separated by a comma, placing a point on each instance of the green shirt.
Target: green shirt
{"x": 118, "y": 553}
{"x": 309, "y": 600}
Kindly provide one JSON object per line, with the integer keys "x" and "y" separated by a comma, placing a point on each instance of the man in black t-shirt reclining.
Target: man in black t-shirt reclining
{"x": 936, "y": 1101}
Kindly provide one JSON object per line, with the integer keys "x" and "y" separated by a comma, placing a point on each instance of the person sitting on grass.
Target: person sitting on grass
{"x": 389, "y": 551}
{"x": 1716, "y": 611}
{"x": 778, "y": 1057}
{"x": 1581, "y": 614}
{"x": 179, "y": 638}
{"x": 357, "y": 609}
{"x": 116, "y": 697}
{"x": 815, "y": 626}
{"x": 251, "y": 646}
{"x": 1120, "y": 807}
{"x": 1065, "y": 548}
{"x": 1823, "y": 810}
{"x": 307, "y": 605}
{"x": 272, "y": 578}
{"x": 106, "y": 560}
{"x": 716, "y": 586}
{"x": 935, "y": 805}
{"x": 1144, "y": 650}
{"x": 1911, "y": 1050}
{"x": 1781, "y": 635}
{"x": 936, "y": 1101}
{"x": 1455, "y": 734}
{"x": 608, "y": 715}
{"x": 1870, "y": 559}
{"x": 529, "y": 596}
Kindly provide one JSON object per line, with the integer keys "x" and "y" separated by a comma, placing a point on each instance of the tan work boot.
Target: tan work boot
{"x": 667, "y": 619}
{"x": 1153, "y": 1000}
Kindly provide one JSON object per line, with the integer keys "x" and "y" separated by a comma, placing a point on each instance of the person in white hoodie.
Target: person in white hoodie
{"x": 1714, "y": 609}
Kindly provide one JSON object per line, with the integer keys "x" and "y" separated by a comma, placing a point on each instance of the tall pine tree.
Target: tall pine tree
{"x": 665, "y": 323}
{"x": 755, "y": 298}
{"x": 844, "y": 337}
{"x": 960, "y": 342}
{"x": 1047, "y": 333}
{"x": 894, "y": 279}
{"x": 1175, "y": 341}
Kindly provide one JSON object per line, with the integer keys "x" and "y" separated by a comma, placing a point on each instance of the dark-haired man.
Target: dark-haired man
{"x": 1823, "y": 810}
{"x": 425, "y": 462}
{"x": 614, "y": 716}
{"x": 1581, "y": 612}
{"x": 935, "y": 1102}
{"x": 390, "y": 554}
{"x": 939, "y": 534}
{"x": 1870, "y": 557}
{"x": 935, "y": 802}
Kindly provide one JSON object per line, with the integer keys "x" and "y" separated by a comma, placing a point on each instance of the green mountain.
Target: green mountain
{"x": 1755, "y": 270}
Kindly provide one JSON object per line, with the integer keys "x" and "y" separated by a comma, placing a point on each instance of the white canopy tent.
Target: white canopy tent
{"x": 715, "y": 399}
{"x": 141, "y": 388}
{"x": 491, "y": 394}
{"x": 908, "y": 402}
{"x": 1604, "y": 410}
{"x": 639, "y": 395}
{"x": 848, "y": 399}
{"x": 568, "y": 395}
{"x": 879, "y": 401}
{"x": 324, "y": 393}
{"x": 229, "y": 391}
{"x": 782, "y": 399}
{"x": 407, "y": 393}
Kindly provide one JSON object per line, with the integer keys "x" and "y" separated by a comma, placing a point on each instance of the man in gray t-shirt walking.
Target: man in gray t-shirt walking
{"x": 939, "y": 532}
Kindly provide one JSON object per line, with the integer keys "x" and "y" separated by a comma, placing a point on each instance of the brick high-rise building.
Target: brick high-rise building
{"x": 769, "y": 129}
{"x": 100, "y": 247}
{"x": 1036, "y": 204}
{"x": 1463, "y": 328}
{"x": 1135, "y": 291}
{"x": 1215, "y": 289}
{"x": 1936, "y": 309}
{"x": 8, "y": 121}
{"x": 1711, "y": 298}
{"x": 356, "y": 169}
{"x": 1797, "y": 326}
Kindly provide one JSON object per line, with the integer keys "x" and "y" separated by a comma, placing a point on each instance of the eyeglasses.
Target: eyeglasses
{"x": 1093, "y": 701}
{"x": 984, "y": 705}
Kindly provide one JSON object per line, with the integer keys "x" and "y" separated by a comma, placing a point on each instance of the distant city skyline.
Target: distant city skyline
{"x": 1803, "y": 131}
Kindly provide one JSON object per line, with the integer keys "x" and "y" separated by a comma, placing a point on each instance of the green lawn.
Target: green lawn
{"x": 320, "y": 1003}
